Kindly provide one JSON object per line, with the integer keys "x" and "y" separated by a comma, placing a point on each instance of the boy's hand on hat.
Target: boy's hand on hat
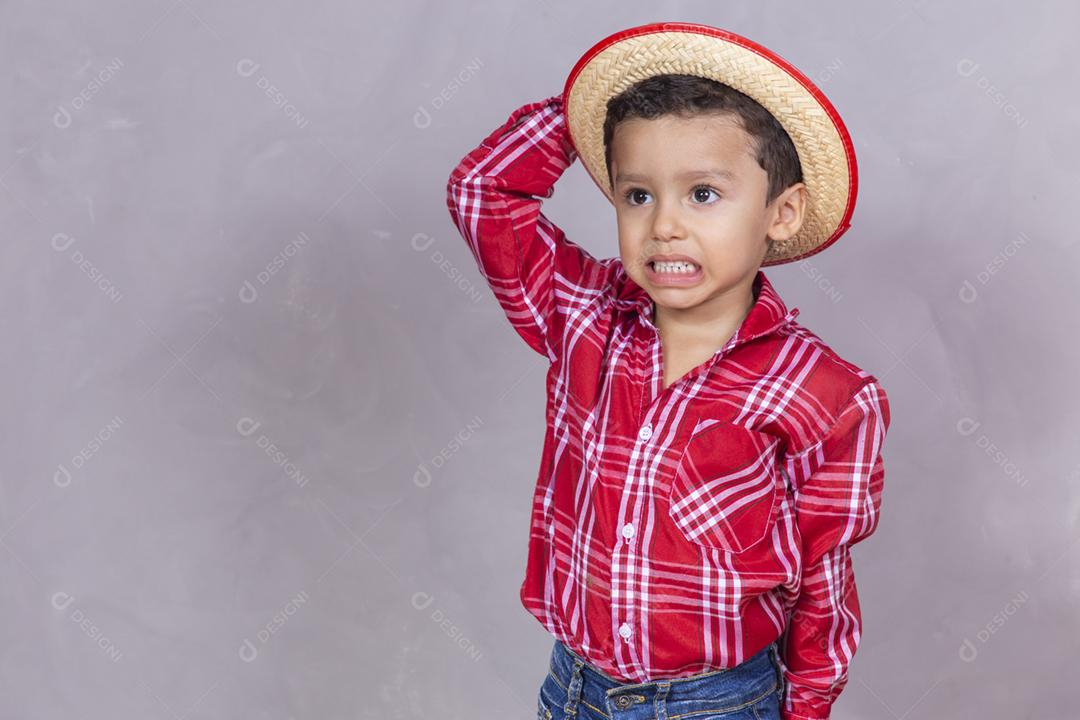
{"x": 561, "y": 134}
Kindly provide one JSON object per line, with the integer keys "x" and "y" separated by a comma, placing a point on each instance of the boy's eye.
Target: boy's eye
{"x": 700, "y": 193}
{"x": 704, "y": 189}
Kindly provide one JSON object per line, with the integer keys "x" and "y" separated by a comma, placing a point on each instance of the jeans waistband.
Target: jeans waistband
{"x": 721, "y": 690}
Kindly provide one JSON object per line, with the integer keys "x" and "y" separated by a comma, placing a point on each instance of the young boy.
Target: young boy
{"x": 708, "y": 461}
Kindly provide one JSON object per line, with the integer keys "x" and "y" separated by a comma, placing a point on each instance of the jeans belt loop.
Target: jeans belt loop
{"x": 774, "y": 651}
{"x": 662, "y": 687}
{"x": 573, "y": 693}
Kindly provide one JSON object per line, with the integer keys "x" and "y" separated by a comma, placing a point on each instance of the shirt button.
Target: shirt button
{"x": 628, "y": 530}
{"x": 624, "y": 630}
{"x": 645, "y": 433}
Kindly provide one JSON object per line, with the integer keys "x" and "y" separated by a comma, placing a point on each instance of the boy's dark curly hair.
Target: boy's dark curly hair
{"x": 688, "y": 95}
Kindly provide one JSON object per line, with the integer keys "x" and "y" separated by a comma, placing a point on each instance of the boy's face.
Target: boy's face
{"x": 692, "y": 187}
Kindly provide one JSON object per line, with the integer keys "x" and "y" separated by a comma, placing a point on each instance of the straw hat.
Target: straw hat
{"x": 824, "y": 147}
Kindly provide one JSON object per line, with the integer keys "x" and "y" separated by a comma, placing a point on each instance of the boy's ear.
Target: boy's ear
{"x": 791, "y": 212}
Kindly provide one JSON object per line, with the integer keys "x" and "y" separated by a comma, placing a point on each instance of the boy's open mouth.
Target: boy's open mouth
{"x": 674, "y": 267}
{"x": 673, "y": 271}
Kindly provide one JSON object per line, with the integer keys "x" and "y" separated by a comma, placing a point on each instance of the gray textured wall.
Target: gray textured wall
{"x": 266, "y": 454}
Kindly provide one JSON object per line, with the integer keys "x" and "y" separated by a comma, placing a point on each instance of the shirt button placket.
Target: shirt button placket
{"x": 628, "y": 531}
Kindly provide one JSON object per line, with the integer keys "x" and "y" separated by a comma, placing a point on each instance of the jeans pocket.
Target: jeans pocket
{"x": 543, "y": 708}
{"x": 542, "y": 712}
{"x": 769, "y": 707}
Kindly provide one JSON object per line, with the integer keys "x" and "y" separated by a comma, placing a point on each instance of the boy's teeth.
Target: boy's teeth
{"x": 674, "y": 267}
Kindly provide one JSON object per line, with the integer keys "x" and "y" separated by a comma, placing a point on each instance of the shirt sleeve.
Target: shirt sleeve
{"x": 494, "y": 196}
{"x": 838, "y": 483}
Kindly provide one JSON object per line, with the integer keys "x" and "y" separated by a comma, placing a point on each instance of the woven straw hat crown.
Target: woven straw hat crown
{"x": 815, "y": 128}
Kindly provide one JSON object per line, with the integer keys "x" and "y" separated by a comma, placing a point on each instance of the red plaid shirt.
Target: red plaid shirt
{"x": 675, "y": 531}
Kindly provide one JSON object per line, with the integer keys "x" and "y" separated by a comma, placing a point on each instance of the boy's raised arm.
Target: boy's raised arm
{"x": 839, "y": 482}
{"x": 494, "y": 197}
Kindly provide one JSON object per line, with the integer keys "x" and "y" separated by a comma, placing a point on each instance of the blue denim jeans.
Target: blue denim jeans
{"x": 575, "y": 689}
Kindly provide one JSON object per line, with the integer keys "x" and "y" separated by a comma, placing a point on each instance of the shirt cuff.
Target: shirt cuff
{"x": 801, "y": 710}
{"x": 791, "y": 715}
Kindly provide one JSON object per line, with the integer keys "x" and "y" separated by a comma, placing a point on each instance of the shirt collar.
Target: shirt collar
{"x": 768, "y": 313}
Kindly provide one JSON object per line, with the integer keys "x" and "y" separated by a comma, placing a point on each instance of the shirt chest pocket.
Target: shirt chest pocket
{"x": 727, "y": 488}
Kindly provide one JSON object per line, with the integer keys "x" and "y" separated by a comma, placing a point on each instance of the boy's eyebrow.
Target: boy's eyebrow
{"x": 718, "y": 173}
